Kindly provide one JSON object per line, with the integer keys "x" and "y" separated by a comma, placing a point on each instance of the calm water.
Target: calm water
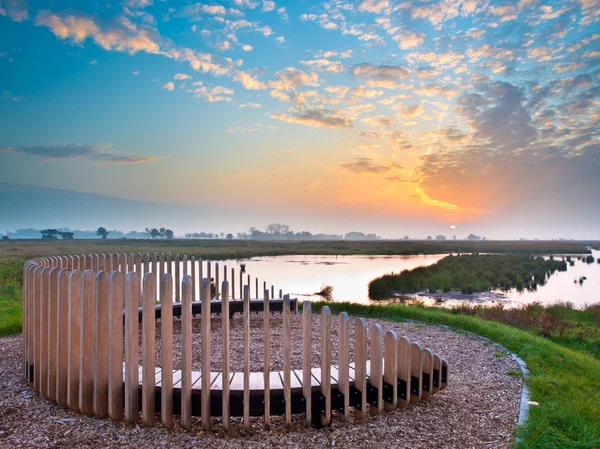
{"x": 349, "y": 276}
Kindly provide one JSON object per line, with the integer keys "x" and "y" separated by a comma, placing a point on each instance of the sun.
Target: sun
{"x": 452, "y": 227}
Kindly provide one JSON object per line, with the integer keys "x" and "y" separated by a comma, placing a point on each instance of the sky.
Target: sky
{"x": 395, "y": 117}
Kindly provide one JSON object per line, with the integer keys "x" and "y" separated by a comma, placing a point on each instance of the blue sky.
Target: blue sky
{"x": 417, "y": 115}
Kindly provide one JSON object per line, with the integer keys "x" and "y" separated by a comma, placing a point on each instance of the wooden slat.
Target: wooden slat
{"x": 444, "y": 382}
{"x": 360, "y": 367}
{"x": 148, "y": 349}
{"x": 116, "y": 290}
{"x": 216, "y": 282}
{"x": 376, "y": 367}
{"x": 225, "y": 354}
{"x": 95, "y": 262}
{"x": 86, "y": 338}
{"x": 267, "y": 360}
{"x": 161, "y": 265}
{"x": 156, "y": 275}
{"x": 232, "y": 283}
{"x": 326, "y": 364}
{"x": 287, "y": 351}
{"x": 193, "y": 274}
{"x": 62, "y": 341}
{"x": 24, "y": 319}
{"x": 101, "y": 344}
{"x": 42, "y": 365}
{"x": 186, "y": 355}
{"x": 51, "y": 338}
{"x": 306, "y": 362}
{"x": 390, "y": 370}
{"x": 437, "y": 367}
{"x": 427, "y": 382}
{"x": 246, "y": 346}
{"x": 404, "y": 369}
{"x": 108, "y": 262}
{"x": 416, "y": 371}
{"x": 166, "y": 332}
{"x": 132, "y": 300}
{"x": 206, "y": 355}
{"x": 74, "y": 329}
{"x": 178, "y": 279}
{"x": 344, "y": 361}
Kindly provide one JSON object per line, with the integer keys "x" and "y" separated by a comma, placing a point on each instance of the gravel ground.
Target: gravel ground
{"x": 478, "y": 409}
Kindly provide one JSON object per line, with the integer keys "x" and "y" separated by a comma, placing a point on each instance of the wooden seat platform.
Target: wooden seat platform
{"x": 236, "y": 386}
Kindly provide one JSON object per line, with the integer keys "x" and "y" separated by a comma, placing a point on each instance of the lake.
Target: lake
{"x": 303, "y": 276}
{"x": 349, "y": 276}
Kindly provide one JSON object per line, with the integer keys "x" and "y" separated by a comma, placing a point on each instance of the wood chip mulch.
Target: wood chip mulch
{"x": 478, "y": 409}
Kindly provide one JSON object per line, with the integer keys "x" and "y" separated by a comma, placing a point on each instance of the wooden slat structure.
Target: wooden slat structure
{"x": 81, "y": 319}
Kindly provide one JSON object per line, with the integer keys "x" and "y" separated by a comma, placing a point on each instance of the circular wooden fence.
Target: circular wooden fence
{"x": 81, "y": 321}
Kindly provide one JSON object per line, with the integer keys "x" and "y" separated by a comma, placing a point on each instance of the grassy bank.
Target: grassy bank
{"x": 470, "y": 273}
{"x": 563, "y": 380}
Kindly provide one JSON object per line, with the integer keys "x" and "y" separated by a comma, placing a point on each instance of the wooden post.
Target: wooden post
{"x": 246, "y": 319}
{"x": 257, "y": 288}
{"x": 140, "y": 271}
{"x": 74, "y": 330}
{"x": 161, "y": 265}
{"x": 86, "y": 358}
{"x": 360, "y": 367}
{"x": 186, "y": 354}
{"x": 225, "y": 354}
{"x": 416, "y": 372}
{"x": 326, "y": 364}
{"x": 148, "y": 349}
{"x": 209, "y": 273}
{"x": 116, "y": 289}
{"x": 404, "y": 359}
{"x": 445, "y": 375}
{"x": 376, "y": 374}
{"x": 272, "y": 291}
{"x": 280, "y": 293}
{"x": 287, "y": 370}
{"x": 390, "y": 370}
{"x": 205, "y": 408}
{"x": 427, "y": 382}
{"x": 156, "y": 275}
{"x": 178, "y": 279}
{"x": 52, "y": 318}
{"x": 62, "y": 341}
{"x": 166, "y": 331}
{"x": 42, "y": 366}
{"x": 267, "y": 362}
{"x": 185, "y": 264}
{"x": 132, "y": 299}
{"x": 199, "y": 277}
{"x": 437, "y": 373}
{"x": 241, "y": 285}
{"x": 101, "y": 344}
{"x": 193, "y": 278}
{"x": 306, "y": 362}
{"x": 344, "y": 362}
{"x": 232, "y": 283}
{"x": 217, "y": 293}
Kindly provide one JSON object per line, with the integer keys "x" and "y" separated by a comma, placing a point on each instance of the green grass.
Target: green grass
{"x": 563, "y": 381}
{"x": 11, "y": 308}
{"x": 470, "y": 273}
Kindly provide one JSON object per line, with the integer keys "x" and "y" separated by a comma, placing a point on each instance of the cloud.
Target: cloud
{"x": 364, "y": 166}
{"x": 374, "y": 6}
{"x": 248, "y": 82}
{"x": 409, "y": 39}
{"x": 138, "y": 3}
{"x": 217, "y": 93}
{"x": 268, "y": 5}
{"x": 324, "y": 65}
{"x": 247, "y": 47}
{"x": 381, "y": 72}
{"x": 380, "y": 120}
{"x": 280, "y": 39}
{"x": 137, "y": 72}
{"x": 93, "y": 62}
{"x": 168, "y": 86}
{"x": 97, "y": 154}
{"x": 17, "y": 10}
{"x": 315, "y": 119}
{"x": 182, "y": 76}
